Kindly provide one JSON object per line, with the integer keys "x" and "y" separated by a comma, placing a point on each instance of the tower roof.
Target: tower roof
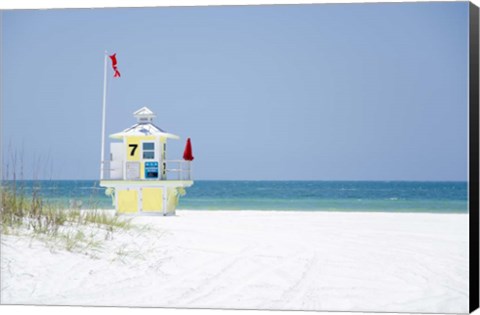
{"x": 144, "y": 126}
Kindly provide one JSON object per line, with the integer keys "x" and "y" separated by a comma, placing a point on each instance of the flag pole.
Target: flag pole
{"x": 102, "y": 161}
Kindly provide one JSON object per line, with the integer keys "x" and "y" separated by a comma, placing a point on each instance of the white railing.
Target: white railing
{"x": 112, "y": 170}
{"x": 178, "y": 170}
{"x": 174, "y": 170}
{"x": 105, "y": 170}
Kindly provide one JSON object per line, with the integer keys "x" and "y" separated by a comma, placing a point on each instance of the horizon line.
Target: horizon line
{"x": 272, "y": 180}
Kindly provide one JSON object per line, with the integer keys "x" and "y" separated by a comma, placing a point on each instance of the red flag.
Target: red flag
{"x": 114, "y": 60}
{"x": 114, "y": 65}
{"x": 187, "y": 154}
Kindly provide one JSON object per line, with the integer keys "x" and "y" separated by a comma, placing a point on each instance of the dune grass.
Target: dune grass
{"x": 72, "y": 229}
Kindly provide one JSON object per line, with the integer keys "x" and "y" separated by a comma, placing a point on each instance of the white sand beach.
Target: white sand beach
{"x": 402, "y": 262}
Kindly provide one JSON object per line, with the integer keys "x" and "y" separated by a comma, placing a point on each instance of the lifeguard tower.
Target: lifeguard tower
{"x": 138, "y": 177}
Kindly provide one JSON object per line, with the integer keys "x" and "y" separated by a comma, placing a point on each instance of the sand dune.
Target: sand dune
{"x": 398, "y": 262}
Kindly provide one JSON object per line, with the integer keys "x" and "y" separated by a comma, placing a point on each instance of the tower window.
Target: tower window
{"x": 148, "y": 150}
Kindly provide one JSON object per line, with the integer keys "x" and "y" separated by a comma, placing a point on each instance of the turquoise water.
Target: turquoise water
{"x": 372, "y": 196}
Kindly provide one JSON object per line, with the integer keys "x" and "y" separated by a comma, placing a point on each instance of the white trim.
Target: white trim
{"x": 164, "y": 199}
{"x": 155, "y": 149}
{"x": 140, "y": 199}
{"x": 145, "y": 183}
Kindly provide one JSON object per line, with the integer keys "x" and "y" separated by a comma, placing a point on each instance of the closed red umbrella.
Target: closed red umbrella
{"x": 187, "y": 154}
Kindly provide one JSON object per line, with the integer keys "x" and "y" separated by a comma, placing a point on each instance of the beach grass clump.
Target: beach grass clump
{"x": 104, "y": 219}
{"x": 74, "y": 229}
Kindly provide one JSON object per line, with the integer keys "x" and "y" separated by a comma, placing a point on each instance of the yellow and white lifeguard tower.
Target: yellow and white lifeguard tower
{"x": 138, "y": 176}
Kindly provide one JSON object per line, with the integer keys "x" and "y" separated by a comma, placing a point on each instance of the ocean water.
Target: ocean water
{"x": 370, "y": 196}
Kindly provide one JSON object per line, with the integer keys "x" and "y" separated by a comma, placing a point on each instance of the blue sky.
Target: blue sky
{"x": 314, "y": 92}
